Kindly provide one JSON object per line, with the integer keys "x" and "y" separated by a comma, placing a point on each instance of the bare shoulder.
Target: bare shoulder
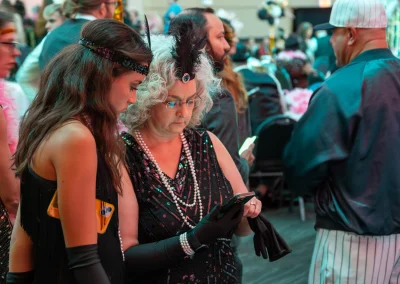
{"x": 223, "y": 155}
{"x": 212, "y": 136}
{"x": 72, "y": 136}
{"x": 215, "y": 140}
{"x": 71, "y": 141}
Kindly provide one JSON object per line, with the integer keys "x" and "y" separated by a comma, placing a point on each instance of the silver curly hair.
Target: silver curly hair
{"x": 154, "y": 89}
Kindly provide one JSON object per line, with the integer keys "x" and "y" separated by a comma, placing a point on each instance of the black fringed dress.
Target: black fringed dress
{"x": 51, "y": 263}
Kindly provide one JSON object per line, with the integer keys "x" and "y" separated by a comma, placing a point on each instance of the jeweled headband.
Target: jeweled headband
{"x": 114, "y": 56}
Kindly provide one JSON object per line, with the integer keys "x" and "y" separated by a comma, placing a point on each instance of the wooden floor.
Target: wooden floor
{"x": 293, "y": 268}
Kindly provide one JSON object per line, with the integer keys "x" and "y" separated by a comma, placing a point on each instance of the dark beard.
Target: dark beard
{"x": 218, "y": 64}
{"x": 218, "y": 67}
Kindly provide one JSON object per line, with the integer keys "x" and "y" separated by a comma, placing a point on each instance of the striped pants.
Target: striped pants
{"x": 342, "y": 257}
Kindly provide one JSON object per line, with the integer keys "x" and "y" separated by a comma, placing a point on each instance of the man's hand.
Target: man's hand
{"x": 248, "y": 154}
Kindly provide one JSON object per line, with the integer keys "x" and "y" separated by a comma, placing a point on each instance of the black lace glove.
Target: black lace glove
{"x": 267, "y": 241}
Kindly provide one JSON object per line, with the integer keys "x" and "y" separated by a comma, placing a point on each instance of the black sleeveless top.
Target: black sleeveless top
{"x": 159, "y": 218}
{"x": 51, "y": 263}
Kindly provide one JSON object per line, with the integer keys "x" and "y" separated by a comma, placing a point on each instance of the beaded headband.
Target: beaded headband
{"x": 112, "y": 55}
{"x": 7, "y": 31}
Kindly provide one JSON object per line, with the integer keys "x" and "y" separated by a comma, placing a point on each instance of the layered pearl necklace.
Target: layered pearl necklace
{"x": 164, "y": 180}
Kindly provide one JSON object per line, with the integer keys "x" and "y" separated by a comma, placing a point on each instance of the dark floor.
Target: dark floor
{"x": 293, "y": 268}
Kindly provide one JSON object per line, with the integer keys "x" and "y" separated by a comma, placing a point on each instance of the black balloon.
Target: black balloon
{"x": 264, "y": 14}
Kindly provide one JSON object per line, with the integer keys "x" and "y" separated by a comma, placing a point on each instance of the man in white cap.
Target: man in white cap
{"x": 346, "y": 152}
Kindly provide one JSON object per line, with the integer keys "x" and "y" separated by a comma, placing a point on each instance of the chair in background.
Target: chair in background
{"x": 273, "y": 135}
{"x": 264, "y": 97}
{"x": 322, "y": 64}
{"x": 284, "y": 78}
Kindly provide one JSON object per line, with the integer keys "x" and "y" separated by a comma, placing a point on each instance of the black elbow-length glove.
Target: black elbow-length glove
{"x": 20, "y": 277}
{"x": 144, "y": 258}
{"x": 83, "y": 261}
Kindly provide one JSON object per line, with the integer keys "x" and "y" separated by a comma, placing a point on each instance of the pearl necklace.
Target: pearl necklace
{"x": 164, "y": 180}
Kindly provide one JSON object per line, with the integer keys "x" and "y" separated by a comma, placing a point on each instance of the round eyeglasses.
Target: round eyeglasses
{"x": 191, "y": 103}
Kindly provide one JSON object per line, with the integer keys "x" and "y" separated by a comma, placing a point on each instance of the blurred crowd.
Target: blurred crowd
{"x": 268, "y": 76}
{"x": 267, "y": 85}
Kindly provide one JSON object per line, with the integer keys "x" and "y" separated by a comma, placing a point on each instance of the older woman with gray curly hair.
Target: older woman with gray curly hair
{"x": 180, "y": 175}
{"x": 154, "y": 90}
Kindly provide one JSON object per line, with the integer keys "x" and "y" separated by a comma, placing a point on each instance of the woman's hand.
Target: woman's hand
{"x": 252, "y": 208}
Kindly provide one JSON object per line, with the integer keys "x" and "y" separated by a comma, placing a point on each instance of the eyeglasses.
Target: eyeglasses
{"x": 191, "y": 103}
{"x": 12, "y": 45}
{"x": 112, "y": 3}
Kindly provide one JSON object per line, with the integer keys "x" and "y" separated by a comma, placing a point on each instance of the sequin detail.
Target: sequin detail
{"x": 5, "y": 238}
{"x": 114, "y": 56}
{"x": 159, "y": 218}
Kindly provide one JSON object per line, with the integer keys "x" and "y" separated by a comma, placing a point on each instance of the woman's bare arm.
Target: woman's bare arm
{"x": 73, "y": 155}
{"x": 232, "y": 174}
{"x": 21, "y": 249}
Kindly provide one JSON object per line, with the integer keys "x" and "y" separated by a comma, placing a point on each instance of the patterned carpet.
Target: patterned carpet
{"x": 293, "y": 268}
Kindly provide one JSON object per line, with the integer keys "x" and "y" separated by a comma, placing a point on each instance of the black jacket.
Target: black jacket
{"x": 66, "y": 34}
{"x": 346, "y": 148}
{"x": 221, "y": 120}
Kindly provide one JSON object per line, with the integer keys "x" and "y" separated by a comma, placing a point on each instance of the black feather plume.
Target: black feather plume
{"x": 147, "y": 31}
{"x": 187, "y": 50}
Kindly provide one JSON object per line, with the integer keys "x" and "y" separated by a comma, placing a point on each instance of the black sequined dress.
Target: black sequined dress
{"x": 159, "y": 218}
{"x": 5, "y": 238}
{"x": 50, "y": 257}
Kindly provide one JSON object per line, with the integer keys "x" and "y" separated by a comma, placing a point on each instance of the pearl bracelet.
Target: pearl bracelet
{"x": 185, "y": 245}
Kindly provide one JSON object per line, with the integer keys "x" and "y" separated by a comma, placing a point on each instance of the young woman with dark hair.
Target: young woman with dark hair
{"x": 305, "y": 32}
{"x": 69, "y": 160}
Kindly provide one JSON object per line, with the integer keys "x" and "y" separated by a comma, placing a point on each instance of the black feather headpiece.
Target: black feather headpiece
{"x": 147, "y": 31}
{"x": 188, "y": 49}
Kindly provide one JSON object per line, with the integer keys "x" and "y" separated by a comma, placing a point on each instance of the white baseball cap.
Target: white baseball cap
{"x": 356, "y": 13}
{"x": 207, "y": 2}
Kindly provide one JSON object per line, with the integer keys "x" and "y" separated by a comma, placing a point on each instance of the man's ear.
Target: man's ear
{"x": 208, "y": 46}
{"x": 352, "y": 34}
{"x": 102, "y": 10}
